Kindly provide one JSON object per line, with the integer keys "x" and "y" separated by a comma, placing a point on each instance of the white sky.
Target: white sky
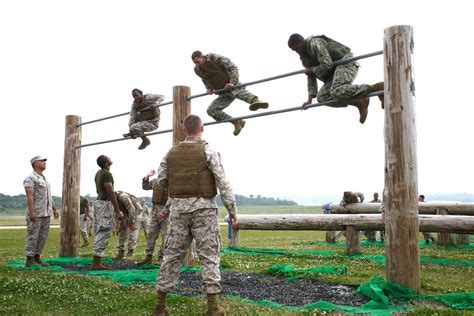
{"x": 83, "y": 58}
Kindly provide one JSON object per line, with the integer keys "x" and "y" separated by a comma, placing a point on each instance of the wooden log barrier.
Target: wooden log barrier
{"x": 452, "y": 208}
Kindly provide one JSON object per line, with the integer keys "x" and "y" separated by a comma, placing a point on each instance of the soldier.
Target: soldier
{"x": 193, "y": 212}
{"x": 129, "y": 224}
{"x": 351, "y": 197}
{"x": 317, "y": 54}
{"x": 84, "y": 219}
{"x": 158, "y": 223}
{"x": 219, "y": 72}
{"x": 426, "y": 235}
{"x": 143, "y": 220}
{"x": 144, "y": 116}
{"x": 40, "y": 208}
{"x": 104, "y": 207}
{"x": 371, "y": 235}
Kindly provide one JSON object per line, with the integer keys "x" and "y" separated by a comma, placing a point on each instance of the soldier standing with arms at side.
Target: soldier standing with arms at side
{"x": 105, "y": 206}
{"x": 40, "y": 208}
{"x": 85, "y": 216}
{"x": 194, "y": 173}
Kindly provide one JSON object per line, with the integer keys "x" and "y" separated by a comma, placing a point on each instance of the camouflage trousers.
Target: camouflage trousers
{"x": 215, "y": 110}
{"x": 126, "y": 234}
{"x": 84, "y": 223}
{"x": 144, "y": 224}
{"x": 203, "y": 226}
{"x": 156, "y": 227}
{"x": 340, "y": 86}
{"x": 36, "y": 235}
{"x": 103, "y": 224}
{"x": 143, "y": 127}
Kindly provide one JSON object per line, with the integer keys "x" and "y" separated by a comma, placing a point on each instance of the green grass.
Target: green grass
{"x": 25, "y": 292}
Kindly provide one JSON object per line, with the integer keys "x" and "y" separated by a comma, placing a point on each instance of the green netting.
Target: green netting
{"x": 367, "y": 243}
{"x": 380, "y": 259}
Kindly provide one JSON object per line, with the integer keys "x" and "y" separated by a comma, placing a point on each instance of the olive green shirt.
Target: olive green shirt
{"x": 103, "y": 176}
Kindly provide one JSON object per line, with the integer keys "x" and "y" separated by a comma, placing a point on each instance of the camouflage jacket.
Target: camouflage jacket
{"x": 42, "y": 200}
{"x": 149, "y": 99}
{"x": 133, "y": 209}
{"x": 191, "y": 204}
{"x": 226, "y": 64}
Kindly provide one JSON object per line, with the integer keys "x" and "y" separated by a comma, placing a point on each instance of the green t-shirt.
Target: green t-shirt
{"x": 102, "y": 176}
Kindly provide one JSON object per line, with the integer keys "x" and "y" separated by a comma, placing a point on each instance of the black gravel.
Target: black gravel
{"x": 258, "y": 287}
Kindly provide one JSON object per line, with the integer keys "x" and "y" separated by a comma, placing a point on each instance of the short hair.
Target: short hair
{"x": 192, "y": 123}
{"x": 422, "y": 196}
{"x": 101, "y": 161}
{"x": 196, "y": 53}
{"x": 137, "y": 90}
{"x": 294, "y": 40}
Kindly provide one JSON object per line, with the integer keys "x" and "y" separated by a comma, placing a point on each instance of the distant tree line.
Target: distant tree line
{"x": 19, "y": 202}
{"x": 257, "y": 200}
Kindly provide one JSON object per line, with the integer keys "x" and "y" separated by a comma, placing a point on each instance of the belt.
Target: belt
{"x": 102, "y": 198}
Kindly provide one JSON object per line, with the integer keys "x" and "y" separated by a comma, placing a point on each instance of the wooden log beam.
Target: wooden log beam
{"x": 453, "y": 208}
{"x": 330, "y": 222}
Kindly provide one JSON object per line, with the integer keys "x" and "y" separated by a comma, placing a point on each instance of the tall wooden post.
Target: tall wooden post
{"x": 69, "y": 238}
{"x": 401, "y": 179}
{"x": 181, "y": 108}
{"x": 444, "y": 239}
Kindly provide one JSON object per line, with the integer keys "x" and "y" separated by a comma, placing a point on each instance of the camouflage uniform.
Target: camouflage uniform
{"x": 215, "y": 109}
{"x": 157, "y": 226}
{"x": 84, "y": 220}
{"x": 104, "y": 220}
{"x": 130, "y": 217}
{"x": 138, "y": 126}
{"x": 195, "y": 217}
{"x": 37, "y": 231}
{"x": 320, "y": 52}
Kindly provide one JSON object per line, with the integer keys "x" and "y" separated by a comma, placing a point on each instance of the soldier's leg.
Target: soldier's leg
{"x": 206, "y": 233}
{"x": 178, "y": 241}
{"x": 144, "y": 224}
{"x": 342, "y": 87}
{"x": 324, "y": 94}
{"x": 122, "y": 237}
{"x": 215, "y": 109}
{"x": 43, "y": 233}
{"x": 104, "y": 219}
{"x": 154, "y": 231}
{"x": 83, "y": 227}
{"x": 142, "y": 127}
{"x": 133, "y": 236}
{"x": 161, "y": 251}
{"x": 32, "y": 233}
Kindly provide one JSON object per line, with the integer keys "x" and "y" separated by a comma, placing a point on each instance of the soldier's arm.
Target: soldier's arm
{"x": 29, "y": 198}
{"x": 228, "y": 65}
{"x": 109, "y": 188}
{"x": 155, "y": 98}
{"x": 317, "y": 47}
{"x": 134, "y": 116}
{"x": 162, "y": 170}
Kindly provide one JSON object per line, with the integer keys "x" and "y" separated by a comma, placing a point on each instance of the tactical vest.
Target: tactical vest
{"x": 188, "y": 173}
{"x": 214, "y": 75}
{"x": 160, "y": 193}
{"x": 336, "y": 50}
{"x": 122, "y": 206}
{"x": 148, "y": 114}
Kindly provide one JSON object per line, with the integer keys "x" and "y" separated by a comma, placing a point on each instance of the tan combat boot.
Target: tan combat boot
{"x": 238, "y": 125}
{"x": 377, "y": 87}
{"x": 30, "y": 261}
{"x": 120, "y": 255}
{"x": 145, "y": 143}
{"x": 37, "y": 259}
{"x": 213, "y": 308}
{"x": 97, "y": 265}
{"x": 160, "y": 307}
{"x": 257, "y": 104}
{"x": 130, "y": 255}
{"x": 362, "y": 105}
{"x": 146, "y": 260}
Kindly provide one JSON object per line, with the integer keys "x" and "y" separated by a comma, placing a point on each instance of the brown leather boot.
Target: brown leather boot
{"x": 377, "y": 87}
{"x": 97, "y": 265}
{"x": 130, "y": 254}
{"x": 213, "y": 308}
{"x": 257, "y": 104}
{"x": 362, "y": 105}
{"x": 120, "y": 255}
{"x": 160, "y": 307}
{"x": 146, "y": 260}
{"x": 238, "y": 125}
{"x": 145, "y": 143}
{"x": 30, "y": 261}
{"x": 37, "y": 259}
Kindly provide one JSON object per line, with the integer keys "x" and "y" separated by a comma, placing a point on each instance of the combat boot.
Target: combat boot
{"x": 362, "y": 105}
{"x": 120, "y": 255}
{"x": 145, "y": 143}
{"x": 377, "y": 87}
{"x": 257, "y": 104}
{"x": 160, "y": 307}
{"x": 97, "y": 265}
{"x": 37, "y": 259}
{"x": 30, "y": 261}
{"x": 130, "y": 254}
{"x": 238, "y": 125}
{"x": 146, "y": 260}
{"x": 213, "y": 308}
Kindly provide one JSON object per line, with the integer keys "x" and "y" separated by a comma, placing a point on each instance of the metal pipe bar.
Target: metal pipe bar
{"x": 121, "y": 114}
{"x": 329, "y": 102}
{"x": 240, "y": 85}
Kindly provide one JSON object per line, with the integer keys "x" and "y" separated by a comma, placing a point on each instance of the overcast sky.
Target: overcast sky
{"x": 83, "y": 58}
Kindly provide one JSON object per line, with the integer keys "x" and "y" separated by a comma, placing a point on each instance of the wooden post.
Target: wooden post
{"x": 462, "y": 239}
{"x": 401, "y": 183}
{"x": 69, "y": 235}
{"x": 181, "y": 109}
{"x": 352, "y": 241}
{"x": 444, "y": 239}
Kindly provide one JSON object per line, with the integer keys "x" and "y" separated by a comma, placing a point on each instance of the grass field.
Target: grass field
{"x": 25, "y": 292}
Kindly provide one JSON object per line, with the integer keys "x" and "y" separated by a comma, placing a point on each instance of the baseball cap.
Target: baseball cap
{"x": 37, "y": 158}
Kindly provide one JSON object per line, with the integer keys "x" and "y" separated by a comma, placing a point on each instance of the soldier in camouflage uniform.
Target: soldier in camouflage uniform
{"x": 158, "y": 222}
{"x": 85, "y": 217}
{"x": 144, "y": 116}
{"x": 104, "y": 207}
{"x": 317, "y": 54}
{"x": 219, "y": 72}
{"x": 40, "y": 208}
{"x": 144, "y": 218}
{"x": 193, "y": 170}
{"x": 128, "y": 226}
